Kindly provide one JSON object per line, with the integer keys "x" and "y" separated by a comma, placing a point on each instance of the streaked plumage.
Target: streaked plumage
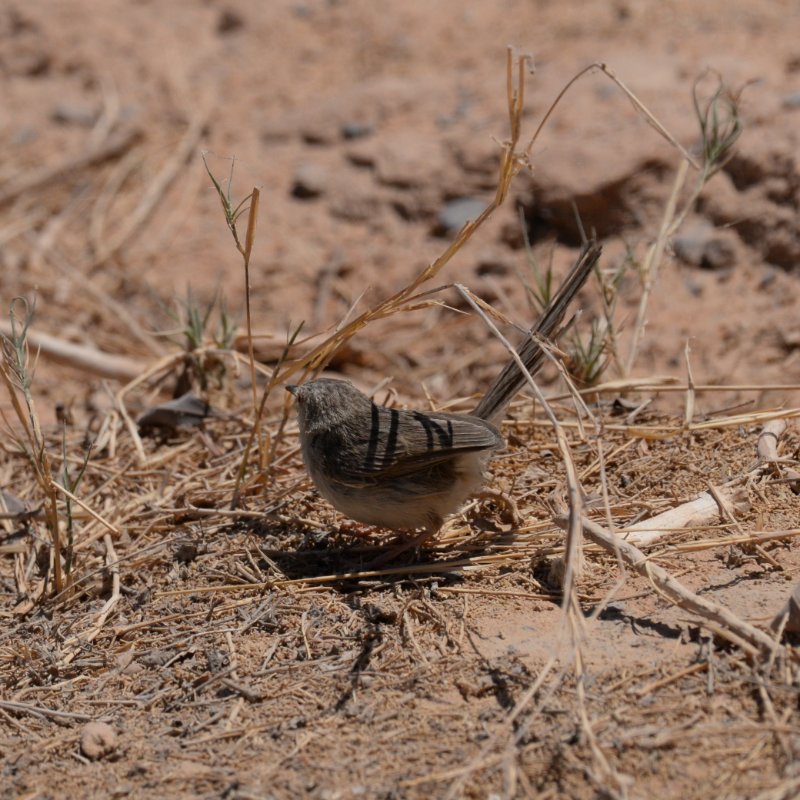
{"x": 410, "y": 469}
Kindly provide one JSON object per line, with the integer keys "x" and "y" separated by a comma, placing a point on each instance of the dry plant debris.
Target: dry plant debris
{"x": 223, "y": 613}
{"x": 254, "y": 634}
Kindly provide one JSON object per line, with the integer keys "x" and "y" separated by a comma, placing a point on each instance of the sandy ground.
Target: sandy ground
{"x": 363, "y": 128}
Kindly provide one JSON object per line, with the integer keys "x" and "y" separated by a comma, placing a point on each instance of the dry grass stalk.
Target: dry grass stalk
{"x": 701, "y": 511}
{"x": 73, "y": 645}
{"x": 658, "y": 384}
{"x": 574, "y": 558}
{"x": 511, "y": 161}
{"x": 637, "y": 104}
{"x": 16, "y": 372}
{"x": 711, "y": 504}
{"x": 690, "y": 390}
{"x": 37, "y": 179}
{"x": 41, "y": 711}
{"x": 652, "y": 262}
{"x": 156, "y": 190}
{"x": 663, "y": 431}
{"x": 718, "y": 618}
{"x": 756, "y": 537}
{"x": 81, "y": 357}
{"x": 91, "y": 512}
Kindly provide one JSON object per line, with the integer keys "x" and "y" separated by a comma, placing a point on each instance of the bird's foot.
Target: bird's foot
{"x": 508, "y": 508}
{"x": 399, "y": 549}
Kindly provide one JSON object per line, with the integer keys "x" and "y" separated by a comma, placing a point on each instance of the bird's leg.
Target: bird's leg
{"x": 355, "y": 530}
{"x": 408, "y": 544}
{"x": 510, "y": 512}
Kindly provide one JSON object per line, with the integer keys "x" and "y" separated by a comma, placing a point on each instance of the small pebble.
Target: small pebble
{"x": 70, "y": 114}
{"x": 356, "y": 130}
{"x": 457, "y": 213}
{"x": 791, "y": 100}
{"x": 98, "y": 739}
{"x": 702, "y": 246}
{"x": 229, "y": 21}
{"x": 310, "y": 181}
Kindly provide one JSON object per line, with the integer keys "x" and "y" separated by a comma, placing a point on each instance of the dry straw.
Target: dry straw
{"x": 161, "y": 565}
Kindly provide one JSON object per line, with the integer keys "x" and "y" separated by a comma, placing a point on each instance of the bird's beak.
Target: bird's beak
{"x": 292, "y": 388}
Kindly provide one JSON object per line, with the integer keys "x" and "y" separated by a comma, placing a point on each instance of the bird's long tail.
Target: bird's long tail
{"x": 511, "y": 379}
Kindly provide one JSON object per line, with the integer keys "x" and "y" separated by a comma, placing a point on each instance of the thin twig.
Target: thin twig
{"x": 37, "y": 179}
{"x": 652, "y": 262}
{"x": 724, "y": 622}
{"x": 112, "y": 563}
{"x": 81, "y": 357}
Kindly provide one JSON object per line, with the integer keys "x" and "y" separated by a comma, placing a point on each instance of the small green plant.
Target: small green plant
{"x": 588, "y": 357}
{"x": 194, "y": 322}
{"x": 232, "y": 214}
{"x": 539, "y": 289}
{"x": 71, "y": 484}
{"x": 720, "y": 125}
{"x": 17, "y": 374}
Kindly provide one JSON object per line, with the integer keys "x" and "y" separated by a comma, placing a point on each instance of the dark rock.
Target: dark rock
{"x": 357, "y": 130}
{"x": 70, "y": 114}
{"x": 310, "y": 181}
{"x": 494, "y": 260}
{"x": 229, "y": 21}
{"x": 491, "y": 267}
{"x": 27, "y": 60}
{"x": 186, "y": 411}
{"x": 416, "y": 203}
{"x": 363, "y": 156}
{"x": 318, "y": 134}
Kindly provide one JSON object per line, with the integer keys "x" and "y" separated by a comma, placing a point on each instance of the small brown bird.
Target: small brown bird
{"x": 410, "y": 469}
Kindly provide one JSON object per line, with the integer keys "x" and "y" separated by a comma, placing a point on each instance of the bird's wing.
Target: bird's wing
{"x": 405, "y": 442}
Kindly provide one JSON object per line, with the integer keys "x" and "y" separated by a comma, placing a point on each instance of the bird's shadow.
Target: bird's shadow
{"x": 640, "y": 624}
{"x": 349, "y": 558}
